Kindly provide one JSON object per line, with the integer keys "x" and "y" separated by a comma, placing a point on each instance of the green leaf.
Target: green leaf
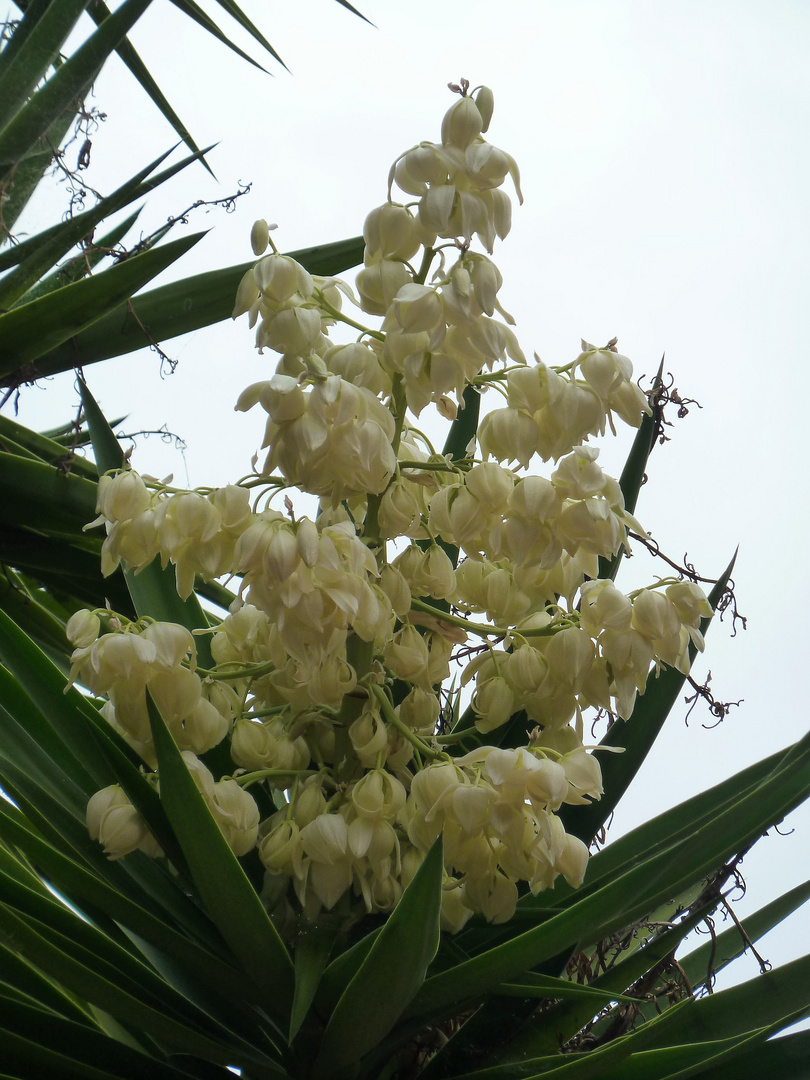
{"x": 40, "y": 253}
{"x": 33, "y": 11}
{"x": 105, "y": 985}
{"x": 30, "y": 173}
{"x": 48, "y": 450}
{"x": 68, "y": 570}
{"x": 38, "y": 41}
{"x": 227, "y": 894}
{"x": 70, "y": 82}
{"x": 179, "y": 308}
{"x": 784, "y": 1058}
{"x": 33, "y": 329}
{"x": 341, "y": 971}
{"x": 35, "y": 619}
{"x": 236, "y": 12}
{"x": 28, "y": 981}
{"x": 595, "y": 1064}
{"x": 391, "y": 974}
{"x": 67, "y": 724}
{"x": 313, "y": 944}
{"x": 38, "y": 1043}
{"x": 43, "y": 497}
{"x": 195, "y": 12}
{"x": 548, "y": 987}
{"x": 777, "y": 997}
{"x": 563, "y": 1021}
{"x": 130, "y": 905}
{"x": 82, "y": 225}
{"x": 77, "y": 268}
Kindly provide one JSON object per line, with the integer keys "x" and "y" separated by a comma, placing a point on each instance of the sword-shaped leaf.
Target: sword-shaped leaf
{"x": 226, "y": 892}
{"x": 170, "y": 310}
{"x": 69, "y": 83}
{"x": 391, "y": 973}
{"x": 31, "y": 330}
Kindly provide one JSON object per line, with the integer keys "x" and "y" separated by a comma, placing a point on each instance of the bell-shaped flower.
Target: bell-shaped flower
{"x": 117, "y": 825}
{"x": 461, "y": 123}
{"x": 280, "y": 279}
{"x": 379, "y": 282}
{"x": 493, "y": 703}
{"x": 406, "y": 656}
{"x": 236, "y": 813}
{"x": 369, "y": 737}
{"x": 82, "y": 628}
{"x": 390, "y": 232}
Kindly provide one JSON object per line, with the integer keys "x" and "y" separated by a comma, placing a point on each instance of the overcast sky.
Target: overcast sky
{"x": 663, "y": 148}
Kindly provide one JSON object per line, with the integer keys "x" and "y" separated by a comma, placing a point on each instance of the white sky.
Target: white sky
{"x": 664, "y": 155}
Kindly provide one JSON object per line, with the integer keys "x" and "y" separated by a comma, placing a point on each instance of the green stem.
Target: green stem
{"x": 456, "y": 737}
{"x": 333, "y": 311}
{"x": 483, "y": 630}
{"x": 246, "y": 779}
{"x": 400, "y": 408}
{"x": 390, "y": 717}
{"x": 244, "y": 671}
{"x": 427, "y": 259}
{"x": 423, "y": 466}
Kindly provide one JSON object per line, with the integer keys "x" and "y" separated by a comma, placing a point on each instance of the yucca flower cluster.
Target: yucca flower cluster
{"x": 341, "y": 672}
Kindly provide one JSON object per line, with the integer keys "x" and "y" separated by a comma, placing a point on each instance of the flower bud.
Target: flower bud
{"x": 395, "y": 587}
{"x": 461, "y": 123}
{"x": 407, "y": 655}
{"x": 82, "y": 628}
{"x": 172, "y": 642}
{"x": 358, "y": 364}
{"x": 369, "y": 737}
{"x": 455, "y": 913}
{"x": 247, "y": 294}
{"x": 202, "y": 729}
{"x": 280, "y": 850}
{"x": 572, "y": 861}
{"x": 309, "y": 803}
{"x": 237, "y": 815}
{"x": 378, "y": 795}
{"x": 419, "y": 711}
{"x": 259, "y": 236}
{"x": 176, "y": 693}
{"x": 485, "y": 103}
{"x": 400, "y": 513}
{"x": 493, "y": 703}
{"x": 117, "y": 825}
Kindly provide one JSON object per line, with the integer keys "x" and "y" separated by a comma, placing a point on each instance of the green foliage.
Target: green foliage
{"x": 171, "y": 968}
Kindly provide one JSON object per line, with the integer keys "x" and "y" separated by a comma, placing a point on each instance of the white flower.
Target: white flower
{"x": 117, "y": 825}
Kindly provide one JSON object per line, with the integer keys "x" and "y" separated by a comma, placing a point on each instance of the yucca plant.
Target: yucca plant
{"x": 177, "y": 946}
